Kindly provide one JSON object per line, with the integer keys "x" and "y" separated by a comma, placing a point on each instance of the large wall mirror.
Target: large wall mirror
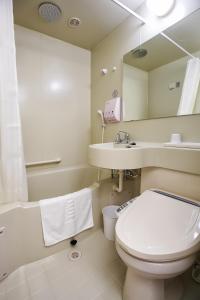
{"x": 159, "y": 79}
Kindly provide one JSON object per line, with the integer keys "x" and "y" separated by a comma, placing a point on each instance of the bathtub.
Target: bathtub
{"x": 54, "y": 182}
{"x": 21, "y": 237}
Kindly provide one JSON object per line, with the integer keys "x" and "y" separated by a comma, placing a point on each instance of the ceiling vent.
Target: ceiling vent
{"x": 139, "y": 53}
{"x": 74, "y": 22}
{"x": 49, "y": 11}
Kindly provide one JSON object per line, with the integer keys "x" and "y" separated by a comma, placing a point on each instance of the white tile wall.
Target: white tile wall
{"x": 54, "y": 96}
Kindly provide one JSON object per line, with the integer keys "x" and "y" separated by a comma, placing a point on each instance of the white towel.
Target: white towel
{"x": 66, "y": 216}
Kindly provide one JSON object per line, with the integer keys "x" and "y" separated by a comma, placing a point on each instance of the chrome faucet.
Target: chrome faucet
{"x": 122, "y": 137}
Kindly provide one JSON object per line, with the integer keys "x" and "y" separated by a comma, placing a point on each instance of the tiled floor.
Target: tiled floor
{"x": 97, "y": 275}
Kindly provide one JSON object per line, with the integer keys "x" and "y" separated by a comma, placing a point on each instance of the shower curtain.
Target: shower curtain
{"x": 190, "y": 87}
{"x": 13, "y": 183}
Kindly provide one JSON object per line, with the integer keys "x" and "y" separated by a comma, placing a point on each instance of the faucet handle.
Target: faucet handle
{"x": 119, "y": 139}
{"x": 126, "y": 136}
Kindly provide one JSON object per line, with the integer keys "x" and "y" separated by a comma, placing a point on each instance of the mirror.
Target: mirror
{"x": 159, "y": 79}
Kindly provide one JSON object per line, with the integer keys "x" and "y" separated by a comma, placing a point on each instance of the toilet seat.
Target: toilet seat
{"x": 158, "y": 228}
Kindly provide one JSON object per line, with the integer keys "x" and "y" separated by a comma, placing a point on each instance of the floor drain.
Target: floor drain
{"x": 74, "y": 255}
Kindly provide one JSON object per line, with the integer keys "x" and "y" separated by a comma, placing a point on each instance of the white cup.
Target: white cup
{"x": 175, "y": 138}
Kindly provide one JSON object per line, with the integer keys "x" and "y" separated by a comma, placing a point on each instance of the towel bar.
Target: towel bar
{"x": 44, "y": 162}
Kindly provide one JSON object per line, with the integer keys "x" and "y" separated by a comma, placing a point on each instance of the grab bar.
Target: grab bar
{"x": 44, "y": 162}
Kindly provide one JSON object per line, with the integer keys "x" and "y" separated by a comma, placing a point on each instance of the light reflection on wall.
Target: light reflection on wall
{"x": 56, "y": 86}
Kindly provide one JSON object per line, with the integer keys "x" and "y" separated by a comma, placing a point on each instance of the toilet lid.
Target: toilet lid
{"x": 157, "y": 227}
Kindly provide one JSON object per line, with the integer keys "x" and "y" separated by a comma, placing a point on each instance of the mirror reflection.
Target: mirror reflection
{"x": 159, "y": 79}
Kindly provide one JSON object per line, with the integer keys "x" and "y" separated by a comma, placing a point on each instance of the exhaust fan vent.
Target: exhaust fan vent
{"x": 49, "y": 11}
{"x": 139, "y": 53}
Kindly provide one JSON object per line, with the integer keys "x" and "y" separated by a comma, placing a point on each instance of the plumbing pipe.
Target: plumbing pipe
{"x": 119, "y": 188}
{"x": 99, "y": 176}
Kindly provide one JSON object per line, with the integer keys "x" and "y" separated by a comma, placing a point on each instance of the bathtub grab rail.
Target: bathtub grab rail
{"x": 44, "y": 162}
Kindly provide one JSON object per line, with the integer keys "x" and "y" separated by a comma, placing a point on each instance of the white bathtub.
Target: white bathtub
{"x": 54, "y": 182}
{"x": 22, "y": 240}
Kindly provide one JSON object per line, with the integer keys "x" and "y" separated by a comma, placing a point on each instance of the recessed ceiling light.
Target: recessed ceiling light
{"x": 160, "y": 7}
{"x": 74, "y": 22}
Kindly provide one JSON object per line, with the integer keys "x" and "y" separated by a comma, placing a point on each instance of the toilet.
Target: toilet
{"x": 157, "y": 237}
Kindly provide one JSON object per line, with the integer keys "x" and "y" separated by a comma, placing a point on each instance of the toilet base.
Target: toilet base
{"x": 174, "y": 288}
{"x": 137, "y": 287}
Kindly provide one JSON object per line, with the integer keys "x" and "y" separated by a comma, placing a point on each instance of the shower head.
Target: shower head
{"x": 49, "y": 11}
{"x": 100, "y": 113}
{"x": 139, "y": 53}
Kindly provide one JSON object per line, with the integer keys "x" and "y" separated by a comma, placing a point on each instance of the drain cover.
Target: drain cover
{"x": 74, "y": 255}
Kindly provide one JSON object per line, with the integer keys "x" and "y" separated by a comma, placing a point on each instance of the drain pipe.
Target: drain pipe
{"x": 119, "y": 188}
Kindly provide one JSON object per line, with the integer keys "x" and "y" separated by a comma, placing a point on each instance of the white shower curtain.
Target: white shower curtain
{"x": 13, "y": 183}
{"x": 190, "y": 87}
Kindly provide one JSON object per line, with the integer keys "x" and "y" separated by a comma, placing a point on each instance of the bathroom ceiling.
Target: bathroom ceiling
{"x": 98, "y": 17}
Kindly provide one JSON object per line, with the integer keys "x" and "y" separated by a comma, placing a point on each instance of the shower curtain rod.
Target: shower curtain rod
{"x": 144, "y": 21}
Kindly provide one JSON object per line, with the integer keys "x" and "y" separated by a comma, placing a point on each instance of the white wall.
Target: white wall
{"x": 54, "y": 96}
{"x": 135, "y": 91}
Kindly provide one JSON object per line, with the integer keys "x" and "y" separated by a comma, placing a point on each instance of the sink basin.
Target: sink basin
{"x": 118, "y": 156}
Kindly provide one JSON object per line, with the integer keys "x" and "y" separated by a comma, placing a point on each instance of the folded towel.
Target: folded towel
{"x": 66, "y": 216}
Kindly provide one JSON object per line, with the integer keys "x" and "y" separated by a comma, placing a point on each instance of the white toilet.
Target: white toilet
{"x": 157, "y": 237}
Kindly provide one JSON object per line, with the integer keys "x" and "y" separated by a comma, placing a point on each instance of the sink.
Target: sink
{"x": 144, "y": 154}
{"x": 116, "y": 156}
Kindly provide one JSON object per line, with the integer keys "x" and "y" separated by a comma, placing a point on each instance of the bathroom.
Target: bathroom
{"x": 71, "y": 58}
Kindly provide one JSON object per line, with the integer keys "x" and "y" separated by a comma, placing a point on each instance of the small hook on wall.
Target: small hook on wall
{"x": 114, "y": 69}
{"x": 115, "y": 93}
{"x": 104, "y": 71}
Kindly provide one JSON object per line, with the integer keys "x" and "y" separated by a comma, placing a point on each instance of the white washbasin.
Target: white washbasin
{"x": 112, "y": 156}
{"x": 117, "y": 156}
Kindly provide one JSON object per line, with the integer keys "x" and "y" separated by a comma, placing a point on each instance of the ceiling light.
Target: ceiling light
{"x": 160, "y": 7}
